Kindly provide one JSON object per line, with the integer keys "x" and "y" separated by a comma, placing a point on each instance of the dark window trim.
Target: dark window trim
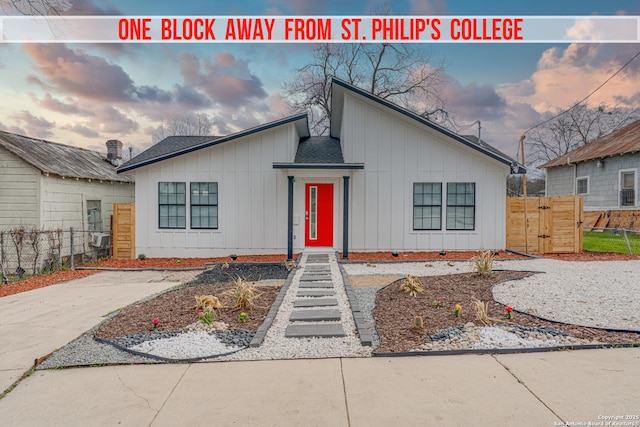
{"x": 463, "y": 206}
{"x": 191, "y": 205}
{"x": 413, "y": 203}
{"x": 165, "y": 204}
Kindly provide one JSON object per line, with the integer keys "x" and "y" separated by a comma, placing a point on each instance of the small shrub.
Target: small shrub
{"x": 412, "y": 286}
{"x": 207, "y": 301}
{"x": 483, "y": 263}
{"x": 481, "y": 310}
{"x": 142, "y": 256}
{"x": 243, "y": 295}
{"x": 206, "y": 315}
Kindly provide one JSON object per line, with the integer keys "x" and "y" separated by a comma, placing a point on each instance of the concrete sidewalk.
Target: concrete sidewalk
{"x": 538, "y": 389}
{"x": 37, "y": 322}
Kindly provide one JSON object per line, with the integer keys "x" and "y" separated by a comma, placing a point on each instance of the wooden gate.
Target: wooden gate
{"x": 124, "y": 231}
{"x": 552, "y": 224}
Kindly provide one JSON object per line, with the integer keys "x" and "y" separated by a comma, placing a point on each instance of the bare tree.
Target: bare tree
{"x": 185, "y": 125}
{"x": 403, "y": 74}
{"x": 34, "y": 7}
{"x": 575, "y": 128}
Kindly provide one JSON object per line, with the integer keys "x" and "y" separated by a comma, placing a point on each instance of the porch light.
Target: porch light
{"x": 600, "y": 163}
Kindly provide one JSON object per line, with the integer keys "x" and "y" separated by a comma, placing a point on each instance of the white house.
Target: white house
{"x": 385, "y": 179}
{"x": 49, "y": 186}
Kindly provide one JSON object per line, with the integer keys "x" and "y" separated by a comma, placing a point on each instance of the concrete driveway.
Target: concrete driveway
{"x": 37, "y": 322}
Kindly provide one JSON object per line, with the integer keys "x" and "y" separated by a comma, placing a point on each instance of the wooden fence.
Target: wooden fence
{"x": 124, "y": 231}
{"x": 551, "y": 224}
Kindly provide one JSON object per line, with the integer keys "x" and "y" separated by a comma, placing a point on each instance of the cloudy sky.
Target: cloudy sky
{"x": 84, "y": 94}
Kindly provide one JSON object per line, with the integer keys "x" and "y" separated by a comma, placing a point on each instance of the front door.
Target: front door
{"x": 318, "y": 215}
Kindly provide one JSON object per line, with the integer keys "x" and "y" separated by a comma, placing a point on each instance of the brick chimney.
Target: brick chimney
{"x": 114, "y": 151}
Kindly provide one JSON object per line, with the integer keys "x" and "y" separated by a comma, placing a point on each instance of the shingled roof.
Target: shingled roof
{"x": 59, "y": 159}
{"x": 623, "y": 141}
{"x": 319, "y": 149}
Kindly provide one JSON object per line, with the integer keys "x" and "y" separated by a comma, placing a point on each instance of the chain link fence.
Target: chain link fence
{"x": 618, "y": 240}
{"x": 28, "y": 251}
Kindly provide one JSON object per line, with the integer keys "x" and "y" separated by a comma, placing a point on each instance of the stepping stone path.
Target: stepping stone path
{"x": 315, "y": 311}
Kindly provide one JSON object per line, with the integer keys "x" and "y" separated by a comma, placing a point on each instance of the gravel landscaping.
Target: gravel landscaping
{"x": 598, "y": 294}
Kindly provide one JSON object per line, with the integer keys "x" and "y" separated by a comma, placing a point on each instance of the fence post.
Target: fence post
{"x": 626, "y": 240}
{"x": 73, "y": 267}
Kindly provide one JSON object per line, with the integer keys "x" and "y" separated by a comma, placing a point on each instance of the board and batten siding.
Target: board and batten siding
{"x": 64, "y": 201}
{"x": 398, "y": 152}
{"x": 19, "y": 184}
{"x": 252, "y": 198}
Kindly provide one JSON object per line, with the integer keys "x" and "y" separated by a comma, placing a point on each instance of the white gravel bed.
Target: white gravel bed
{"x": 276, "y": 346}
{"x": 602, "y": 294}
{"x": 189, "y": 345}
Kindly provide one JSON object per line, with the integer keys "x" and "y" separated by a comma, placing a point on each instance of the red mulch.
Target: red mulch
{"x": 422, "y": 256}
{"x": 181, "y": 262}
{"x": 42, "y": 281}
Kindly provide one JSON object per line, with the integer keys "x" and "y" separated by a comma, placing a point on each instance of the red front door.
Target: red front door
{"x": 318, "y": 215}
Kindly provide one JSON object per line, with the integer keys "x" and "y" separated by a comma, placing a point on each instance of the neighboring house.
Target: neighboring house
{"x": 384, "y": 179}
{"x": 604, "y": 172}
{"x": 49, "y": 186}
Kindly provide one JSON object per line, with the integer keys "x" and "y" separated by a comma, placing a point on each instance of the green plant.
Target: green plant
{"x": 233, "y": 257}
{"x": 418, "y": 322}
{"x": 243, "y": 295}
{"x": 243, "y": 317}
{"x": 443, "y": 252}
{"x": 483, "y": 263}
{"x": 206, "y": 315}
{"x": 458, "y": 310}
{"x": 437, "y": 303}
{"x": 142, "y": 256}
{"x": 155, "y": 322}
{"x": 412, "y": 286}
{"x": 481, "y": 310}
{"x": 509, "y": 310}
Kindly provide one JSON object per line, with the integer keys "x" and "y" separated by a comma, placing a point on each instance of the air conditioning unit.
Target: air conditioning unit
{"x": 100, "y": 240}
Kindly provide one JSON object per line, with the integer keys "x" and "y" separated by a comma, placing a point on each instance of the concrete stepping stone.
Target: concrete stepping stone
{"x": 315, "y": 277}
{"x": 318, "y": 259}
{"x": 315, "y": 315}
{"x": 306, "y": 331}
{"x": 317, "y": 268}
{"x": 315, "y": 293}
{"x": 324, "y": 285}
{"x": 315, "y": 302}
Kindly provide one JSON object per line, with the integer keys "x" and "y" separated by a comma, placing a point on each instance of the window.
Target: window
{"x": 461, "y": 205}
{"x": 204, "y": 205}
{"x": 582, "y": 185}
{"x": 94, "y": 215}
{"x": 627, "y": 188}
{"x": 171, "y": 202}
{"x": 427, "y": 206}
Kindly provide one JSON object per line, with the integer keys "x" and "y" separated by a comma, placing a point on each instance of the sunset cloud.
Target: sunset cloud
{"x": 35, "y": 126}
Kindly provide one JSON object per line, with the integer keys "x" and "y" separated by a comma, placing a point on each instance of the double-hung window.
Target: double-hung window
{"x": 172, "y": 205}
{"x": 427, "y": 206}
{"x": 461, "y": 205}
{"x": 204, "y": 205}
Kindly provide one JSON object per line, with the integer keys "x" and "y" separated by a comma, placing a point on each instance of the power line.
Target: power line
{"x": 585, "y": 98}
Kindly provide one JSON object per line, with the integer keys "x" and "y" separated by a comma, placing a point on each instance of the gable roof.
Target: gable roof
{"x": 625, "y": 140}
{"x": 336, "y": 122}
{"x": 178, "y": 145}
{"x": 59, "y": 159}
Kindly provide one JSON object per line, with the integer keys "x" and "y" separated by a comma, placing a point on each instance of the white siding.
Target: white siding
{"x": 252, "y": 198}
{"x": 398, "y": 152}
{"x": 18, "y": 191}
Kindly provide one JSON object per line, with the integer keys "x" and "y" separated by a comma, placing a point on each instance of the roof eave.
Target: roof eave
{"x": 407, "y": 113}
{"x": 288, "y": 165}
{"x": 247, "y": 132}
